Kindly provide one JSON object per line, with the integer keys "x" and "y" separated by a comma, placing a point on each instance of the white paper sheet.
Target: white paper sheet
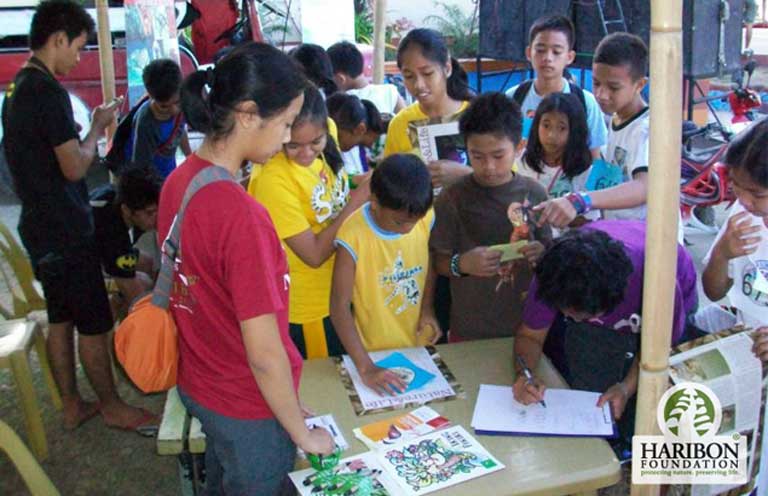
{"x": 568, "y": 413}
{"x": 438, "y": 387}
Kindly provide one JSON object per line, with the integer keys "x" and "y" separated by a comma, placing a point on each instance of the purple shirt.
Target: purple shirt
{"x": 538, "y": 315}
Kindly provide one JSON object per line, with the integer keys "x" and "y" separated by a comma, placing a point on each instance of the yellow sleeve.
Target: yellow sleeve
{"x": 333, "y": 130}
{"x": 397, "y": 136}
{"x": 346, "y": 237}
{"x": 279, "y": 196}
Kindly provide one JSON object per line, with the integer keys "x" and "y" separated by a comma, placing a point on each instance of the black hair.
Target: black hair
{"x": 138, "y": 187}
{"x": 402, "y": 182}
{"x": 749, "y": 152}
{"x": 348, "y": 111}
{"x": 162, "y": 79}
{"x": 433, "y": 47}
{"x": 251, "y": 72}
{"x": 577, "y": 156}
{"x": 314, "y": 111}
{"x": 558, "y": 23}
{"x": 346, "y": 59}
{"x": 317, "y": 66}
{"x": 492, "y": 113}
{"x": 623, "y": 49}
{"x": 52, "y": 16}
{"x": 585, "y": 270}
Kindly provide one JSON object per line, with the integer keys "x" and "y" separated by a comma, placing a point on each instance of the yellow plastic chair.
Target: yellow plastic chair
{"x": 17, "y": 337}
{"x": 26, "y": 297}
{"x": 36, "y": 479}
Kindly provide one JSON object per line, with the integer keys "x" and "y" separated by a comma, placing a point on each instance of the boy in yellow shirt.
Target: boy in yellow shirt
{"x": 382, "y": 291}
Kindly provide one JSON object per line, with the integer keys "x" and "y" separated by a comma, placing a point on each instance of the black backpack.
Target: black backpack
{"x": 115, "y": 160}
{"x": 522, "y": 91}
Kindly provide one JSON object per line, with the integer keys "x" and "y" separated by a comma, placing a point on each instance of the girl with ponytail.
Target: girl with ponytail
{"x": 442, "y": 93}
{"x": 238, "y": 369}
{"x": 360, "y": 126}
{"x": 306, "y": 192}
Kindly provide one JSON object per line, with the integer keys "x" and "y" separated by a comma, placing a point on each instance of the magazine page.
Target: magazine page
{"x": 437, "y": 461}
{"x": 428, "y": 380}
{"x": 442, "y": 142}
{"x": 383, "y": 434}
{"x": 724, "y": 361}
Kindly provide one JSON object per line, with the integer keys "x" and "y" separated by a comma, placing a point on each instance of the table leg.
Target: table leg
{"x": 35, "y": 430}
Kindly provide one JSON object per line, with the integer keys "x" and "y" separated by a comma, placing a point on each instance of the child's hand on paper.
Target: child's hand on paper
{"x": 317, "y": 442}
{"x": 480, "y": 262}
{"x": 383, "y": 381}
{"x": 617, "y": 396}
{"x": 738, "y": 239}
{"x": 760, "y": 348}
{"x": 428, "y": 329}
{"x": 528, "y": 394}
{"x": 557, "y": 213}
{"x": 445, "y": 172}
{"x": 532, "y": 252}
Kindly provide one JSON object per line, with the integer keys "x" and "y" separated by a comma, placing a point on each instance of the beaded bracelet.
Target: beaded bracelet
{"x": 454, "y": 268}
{"x": 578, "y": 202}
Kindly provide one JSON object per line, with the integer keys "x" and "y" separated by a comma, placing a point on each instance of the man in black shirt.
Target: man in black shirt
{"x": 120, "y": 216}
{"x": 48, "y": 163}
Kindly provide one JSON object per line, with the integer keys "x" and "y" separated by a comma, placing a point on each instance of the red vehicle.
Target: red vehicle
{"x": 84, "y": 82}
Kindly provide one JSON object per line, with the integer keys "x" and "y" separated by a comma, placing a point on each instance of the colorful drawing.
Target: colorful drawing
{"x": 352, "y": 477}
{"x": 430, "y": 462}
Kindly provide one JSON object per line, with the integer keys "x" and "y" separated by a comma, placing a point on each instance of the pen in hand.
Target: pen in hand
{"x": 528, "y": 375}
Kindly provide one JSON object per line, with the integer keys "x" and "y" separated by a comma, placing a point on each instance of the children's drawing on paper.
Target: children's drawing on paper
{"x": 351, "y": 477}
{"x": 431, "y": 462}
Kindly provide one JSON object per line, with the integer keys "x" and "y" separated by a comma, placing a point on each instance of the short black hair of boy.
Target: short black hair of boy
{"x": 625, "y": 49}
{"x": 162, "y": 79}
{"x": 749, "y": 152}
{"x": 584, "y": 271}
{"x": 346, "y": 59}
{"x": 558, "y": 23}
{"x": 492, "y": 113}
{"x": 52, "y": 16}
{"x": 138, "y": 187}
{"x": 402, "y": 182}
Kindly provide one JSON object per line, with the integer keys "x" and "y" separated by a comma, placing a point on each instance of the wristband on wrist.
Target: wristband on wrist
{"x": 578, "y": 202}
{"x": 587, "y": 201}
{"x": 454, "y": 268}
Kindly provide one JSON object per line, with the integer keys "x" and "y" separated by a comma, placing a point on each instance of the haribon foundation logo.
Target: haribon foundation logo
{"x": 690, "y": 451}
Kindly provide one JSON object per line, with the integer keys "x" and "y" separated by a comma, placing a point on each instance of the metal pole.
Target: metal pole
{"x": 379, "y": 31}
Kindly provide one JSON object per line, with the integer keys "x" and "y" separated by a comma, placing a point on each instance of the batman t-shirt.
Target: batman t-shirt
{"x": 113, "y": 237}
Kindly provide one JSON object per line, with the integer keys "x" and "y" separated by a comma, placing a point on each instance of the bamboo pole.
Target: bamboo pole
{"x": 379, "y": 32}
{"x": 663, "y": 202}
{"x": 106, "y": 61}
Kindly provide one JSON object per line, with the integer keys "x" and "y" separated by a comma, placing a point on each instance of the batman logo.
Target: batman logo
{"x": 127, "y": 262}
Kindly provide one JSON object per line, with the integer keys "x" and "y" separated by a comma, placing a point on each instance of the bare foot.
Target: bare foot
{"x": 120, "y": 415}
{"x": 79, "y": 412}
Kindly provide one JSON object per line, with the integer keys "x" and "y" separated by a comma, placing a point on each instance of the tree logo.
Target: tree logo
{"x": 689, "y": 411}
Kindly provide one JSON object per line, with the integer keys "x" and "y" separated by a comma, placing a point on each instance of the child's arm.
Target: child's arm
{"x": 447, "y": 172}
{"x": 272, "y": 371}
{"x": 737, "y": 241}
{"x": 315, "y": 248}
{"x": 379, "y": 379}
{"x": 479, "y": 261}
{"x": 560, "y": 212}
{"x": 427, "y": 316}
{"x": 186, "y": 148}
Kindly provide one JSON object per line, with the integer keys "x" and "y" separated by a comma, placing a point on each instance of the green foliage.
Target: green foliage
{"x": 364, "y": 27}
{"x": 458, "y": 28}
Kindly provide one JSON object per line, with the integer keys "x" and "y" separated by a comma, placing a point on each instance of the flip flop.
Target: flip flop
{"x": 142, "y": 425}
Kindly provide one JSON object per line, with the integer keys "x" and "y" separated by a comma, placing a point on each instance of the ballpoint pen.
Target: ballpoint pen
{"x": 528, "y": 375}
